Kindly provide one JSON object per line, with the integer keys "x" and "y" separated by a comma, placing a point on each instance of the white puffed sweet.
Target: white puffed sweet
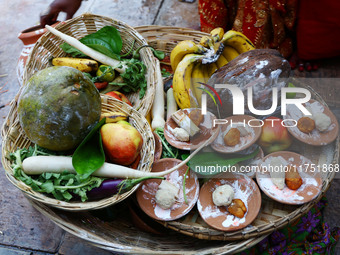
{"x": 322, "y": 121}
{"x": 277, "y": 172}
{"x": 181, "y": 134}
{"x": 223, "y": 195}
{"x": 166, "y": 195}
{"x": 243, "y": 128}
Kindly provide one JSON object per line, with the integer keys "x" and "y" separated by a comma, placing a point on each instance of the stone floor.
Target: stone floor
{"x": 23, "y": 230}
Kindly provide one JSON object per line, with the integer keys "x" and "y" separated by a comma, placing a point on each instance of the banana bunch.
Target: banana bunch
{"x": 189, "y": 71}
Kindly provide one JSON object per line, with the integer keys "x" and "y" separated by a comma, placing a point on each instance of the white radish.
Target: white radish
{"x": 157, "y": 111}
{"x": 36, "y": 165}
{"x": 57, "y": 164}
{"x": 171, "y": 105}
{"x": 87, "y": 50}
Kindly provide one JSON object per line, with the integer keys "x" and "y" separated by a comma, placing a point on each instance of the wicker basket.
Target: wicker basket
{"x": 47, "y": 47}
{"x": 13, "y": 137}
{"x": 120, "y": 235}
{"x": 273, "y": 215}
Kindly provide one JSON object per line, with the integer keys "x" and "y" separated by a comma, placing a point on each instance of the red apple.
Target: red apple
{"x": 274, "y": 136}
{"x": 120, "y": 96}
{"x": 121, "y": 142}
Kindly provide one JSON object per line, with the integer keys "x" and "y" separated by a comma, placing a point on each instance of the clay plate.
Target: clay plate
{"x": 207, "y": 130}
{"x": 217, "y": 216}
{"x": 158, "y": 147}
{"x": 147, "y": 191}
{"x": 315, "y": 138}
{"x": 245, "y": 142}
{"x": 311, "y": 182}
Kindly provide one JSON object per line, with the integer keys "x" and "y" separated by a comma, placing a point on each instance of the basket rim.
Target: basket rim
{"x": 103, "y": 244}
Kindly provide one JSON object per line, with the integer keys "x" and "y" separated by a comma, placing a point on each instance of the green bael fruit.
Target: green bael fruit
{"x": 58, "y": 107}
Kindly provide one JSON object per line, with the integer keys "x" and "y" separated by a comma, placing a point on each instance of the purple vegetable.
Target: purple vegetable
{"x": 110, "y": 187}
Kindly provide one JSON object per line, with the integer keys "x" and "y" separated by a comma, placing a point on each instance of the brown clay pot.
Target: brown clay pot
{"x": 29, "y": 37}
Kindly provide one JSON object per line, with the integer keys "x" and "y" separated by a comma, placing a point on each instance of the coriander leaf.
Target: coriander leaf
{"x": 134, "y": 77}
{"x": 47, "y": 186}
{"x": 47, "y": 175}
{"x": 165, "y": 73}
{"x": 67, "y": 196}
{"x": 58, "y": 195}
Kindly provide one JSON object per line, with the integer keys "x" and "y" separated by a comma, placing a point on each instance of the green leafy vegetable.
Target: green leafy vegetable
{"x": 107, "y": 40}
{"x": 208, "y": 160}
{"x": 168, "y": 150}
{"x": 89, "y": 156}
{"x": 134, "y": 77}
{"x": 158, "y": 54}
{"x": 62, "y": 186}
{"x": 165, "y": 73}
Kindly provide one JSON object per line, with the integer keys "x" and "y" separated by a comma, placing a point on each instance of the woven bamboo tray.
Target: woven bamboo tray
{"x": 47, "y": 47}
{"x": 120, "y": 235}
{"x": 13, "y": 138}
{"x": 273, "y": 215}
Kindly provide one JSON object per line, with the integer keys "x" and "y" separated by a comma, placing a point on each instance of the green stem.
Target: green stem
{"x": 128, "y": 184}
{"x": 74, "y": 187}
{"x": 157, "y": 53}
{"x": 168, "y": 149}
{"x": 160, "y": 133}
{"x": 128, "y": 53}
{"x": 136, "y": 54}
{"x": 35, "y": 181}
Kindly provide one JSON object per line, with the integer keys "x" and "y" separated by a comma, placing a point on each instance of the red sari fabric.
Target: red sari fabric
{"x": 268, "y": 23}
{"x": 318, "y": 29}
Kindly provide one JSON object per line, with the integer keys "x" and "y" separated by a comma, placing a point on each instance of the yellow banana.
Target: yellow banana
{"x": 182, "y": 80}
{"x": 217, "y": 34}
{"x": 238, "y": 41}
{"x": 82, "y": 64}
{"x": 229, "y": 53}
{"x": 183, "y": 48}
{"x": 211, "y": 69}
{"x": 148, "y": 117}
{"x": 221, "y": 61}
{"x": 113, "y": 117}
{"x": 207, "y": 42}
{"x": 199, "y": 74}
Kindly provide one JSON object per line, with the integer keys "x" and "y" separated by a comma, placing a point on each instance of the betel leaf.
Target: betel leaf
{"x": 107, "y": 41}
{"x": 89, "y": 156}
{"x": 202, "y": 162}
